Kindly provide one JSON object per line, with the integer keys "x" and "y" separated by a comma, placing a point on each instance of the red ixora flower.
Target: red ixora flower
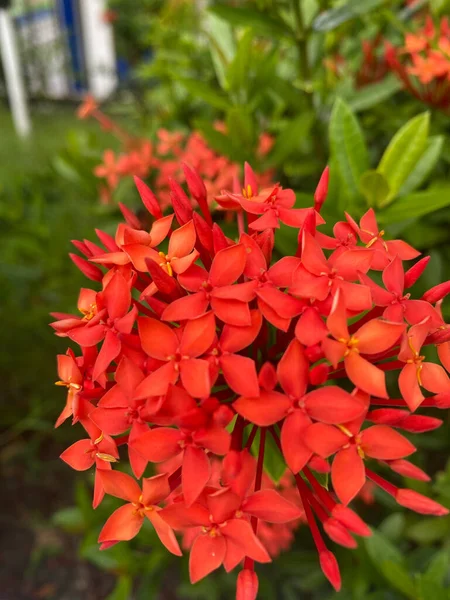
{"x": 197, "y": 348}
{"x": 423, "y": 63}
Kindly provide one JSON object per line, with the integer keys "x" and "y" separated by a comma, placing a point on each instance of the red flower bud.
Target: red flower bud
{"x": 322, "y": 189}
{"x": 413, "y": 274}
{"x": 330, "y": 568}
{"x": 338, "y": 533}
{"x": 87, "y": 268}
{"x": 314, "y": 353}
{"x": 247, "y": 585}
{"x": 419, "y": 503}
{"x": 407, "y": 469}
{"x": 436, "y": 293}
{"x": 148, "y": 198}
{"x": 351, "y": 520}
{"x": 129, "y": 216}
{"x": 319, "y": 374}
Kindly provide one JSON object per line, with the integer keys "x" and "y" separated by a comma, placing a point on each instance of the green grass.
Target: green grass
{"x": 49, "y": 128}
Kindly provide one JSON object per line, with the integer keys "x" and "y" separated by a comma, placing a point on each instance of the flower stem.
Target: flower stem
{"x": 249, "y": 563}
{"x": 302, "y": 46}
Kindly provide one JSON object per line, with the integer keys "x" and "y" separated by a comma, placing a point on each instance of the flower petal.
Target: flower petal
{"x": 124, "y": 524}
{"x": 207, "y": 554}
{"x": 348, "y": 474}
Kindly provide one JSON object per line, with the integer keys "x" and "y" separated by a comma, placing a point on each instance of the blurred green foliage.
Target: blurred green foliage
{"x": 258, "y": 66}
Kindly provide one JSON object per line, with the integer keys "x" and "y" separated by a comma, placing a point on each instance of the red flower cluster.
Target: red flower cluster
{"x": 164, "y": 160}
{"x": 374, "y": 66}
{"x": 423, "y": 64}
{"x": 197, "y": 347}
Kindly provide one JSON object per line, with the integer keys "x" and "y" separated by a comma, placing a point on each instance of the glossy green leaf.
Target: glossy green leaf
{"x": 403, "y": 152}
{"x": 424, "y": 165}
{"x": 348, "y": 148}
{"x": 245, "y": 16}
{"x": 374, "y": 187}
{"x": 330, "y": 19}
{"x": 416, "y": 205}
{"x": 202, "y": 90}
{"x": 374, "y": 93}
{"x": 221, "y": 45}
{"x": 274, "y": 462}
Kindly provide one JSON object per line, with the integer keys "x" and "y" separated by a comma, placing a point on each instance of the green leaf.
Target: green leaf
{"x": 65, "y": 170}
{"x": 380, "y": 549}
{"x": 428, "y": 531}
{"x": 240, "y": 125}
{"x": 374, "y": 187}
{"x": 439, "y": 567}
{"x": 261, "y": 22}
{"x": 348, "y": 148}
{"x": 206, "y": 93}
{"x": 427, "y": 589}
{"x": 388, "y": 560}
{"x": 416, "y": 205}
{"x": 288, "y": 141}
{"x": 399, "y": 578}
{"x": 237, "y": 72}
{"x": 219, "y": 141}
{"x": 424, "y": 165}
{"x": 273, "y": 461}
{"x": 403, "y": 152}
{"x": 309, "y": 9}
{"x": 374, "y": 93}
{"x": 330, "y": 19}
{"x": 221, "y": 45}
{"x": 70, "y": 519}
{"x": 122, "y": 590}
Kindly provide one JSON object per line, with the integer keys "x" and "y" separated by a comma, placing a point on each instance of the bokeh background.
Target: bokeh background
{"x": 287, "y": 85}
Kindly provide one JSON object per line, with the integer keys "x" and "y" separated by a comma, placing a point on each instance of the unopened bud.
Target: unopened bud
{"x": 442, "y": 400}
{"x": 338, "y": 533}
{"x": 148, "y": 198}
{"x": 195, "y": 183}
{"x": 413, "y": 274}
{"x": 319, "y": 374}
{"x": 88, "y": 269}
{"x": 407, "y": 469}
{"x": 314, "y": 353}
{"x": 319, "y": 464}
{"x": 351, "y": 520}
{"x": 247, "y": 585}
{"x": 438, "y": 292}
{"x": 180, "y": 203}
{"x": 419, "y": 503}
{"x": 129, "y": 216}
{"x": 419, "y": 423}
{"x": 321, "y": 192}
{"x": 330, "y": 568}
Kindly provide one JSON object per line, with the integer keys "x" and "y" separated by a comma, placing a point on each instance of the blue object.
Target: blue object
{"x": 69, "y": 19}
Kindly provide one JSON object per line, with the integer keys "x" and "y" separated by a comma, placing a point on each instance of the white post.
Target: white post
{"x": 98, "y": 48}
{"x": 13, "y": 75}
